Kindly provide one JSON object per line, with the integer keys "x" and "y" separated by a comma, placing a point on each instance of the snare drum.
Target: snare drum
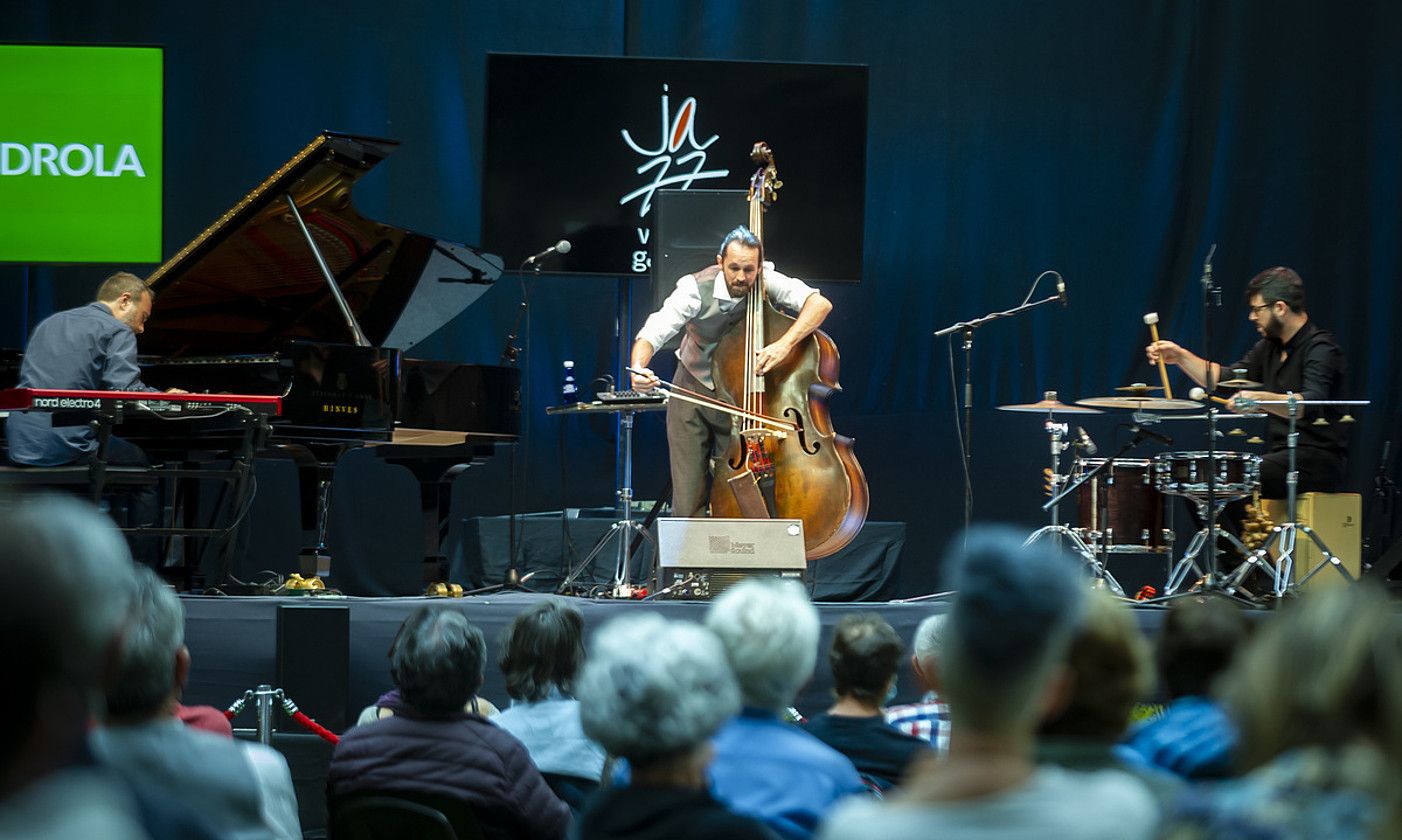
{"x": 1135, "y": 510}
{"x": 1185, "y": 474}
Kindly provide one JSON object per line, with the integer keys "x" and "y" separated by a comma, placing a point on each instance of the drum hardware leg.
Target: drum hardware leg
{"x": 1057, "y": 533}
{"x": 1188, "y": 563}
{"x": 1257, "y": 559}
{"x": 1330, "y": 558}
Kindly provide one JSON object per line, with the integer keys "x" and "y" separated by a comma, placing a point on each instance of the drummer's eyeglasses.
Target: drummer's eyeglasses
{"x": 1256, "y": 309}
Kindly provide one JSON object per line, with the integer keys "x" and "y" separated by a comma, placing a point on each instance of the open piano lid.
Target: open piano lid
{"x": 249, "y": 283}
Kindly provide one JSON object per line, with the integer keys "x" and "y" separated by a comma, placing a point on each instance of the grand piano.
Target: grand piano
{"x": 292, "y": 292}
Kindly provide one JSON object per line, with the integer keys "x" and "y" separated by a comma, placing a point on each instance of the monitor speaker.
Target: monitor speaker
{"x": 699, "y": 559}
{"x": 313, "y": 661}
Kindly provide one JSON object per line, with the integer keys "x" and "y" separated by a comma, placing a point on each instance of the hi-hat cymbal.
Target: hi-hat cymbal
{"x": 1044, "y": 406}
{"x": 1239, "y": 383}
{"x": 1139, "y": 388}
{"x": 1140, "y": 403}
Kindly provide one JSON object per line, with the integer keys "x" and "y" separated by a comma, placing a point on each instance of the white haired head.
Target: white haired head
{"x": 929, "y": 637}
{"x": 651, "y": 688}
{"x": 146, "y": 671}
{"x": 770, "y": 633}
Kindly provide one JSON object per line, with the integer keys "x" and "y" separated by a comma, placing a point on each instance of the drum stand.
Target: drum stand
{"x": 1056, "y": 531}
{"x": 1189, "y": 561}
{"x": 1284, "y": 535}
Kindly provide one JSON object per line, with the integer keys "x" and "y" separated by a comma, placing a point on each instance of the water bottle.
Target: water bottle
{"x": 569, "y": 393}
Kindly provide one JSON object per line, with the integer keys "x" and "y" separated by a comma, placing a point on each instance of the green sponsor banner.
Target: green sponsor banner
{"x": 80, "y": 154}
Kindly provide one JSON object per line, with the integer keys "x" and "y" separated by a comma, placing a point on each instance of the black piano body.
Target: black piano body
{"x": 246, "y": 307}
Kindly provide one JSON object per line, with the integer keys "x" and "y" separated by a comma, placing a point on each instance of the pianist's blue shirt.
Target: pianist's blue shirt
{"x": 83, "y": 349}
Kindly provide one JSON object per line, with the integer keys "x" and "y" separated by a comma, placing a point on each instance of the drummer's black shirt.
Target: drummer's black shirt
{"x": 1314, "y": 368}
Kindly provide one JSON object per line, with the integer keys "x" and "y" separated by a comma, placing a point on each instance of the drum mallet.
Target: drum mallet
{"x": 1152, "y": 319}
{"x": 1200, "y": 395}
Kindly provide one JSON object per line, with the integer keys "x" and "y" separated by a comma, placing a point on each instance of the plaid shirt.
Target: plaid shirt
{"x": 928, "y": 719}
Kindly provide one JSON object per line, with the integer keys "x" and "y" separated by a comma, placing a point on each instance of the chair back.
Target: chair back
{"x": 386, "y": 815}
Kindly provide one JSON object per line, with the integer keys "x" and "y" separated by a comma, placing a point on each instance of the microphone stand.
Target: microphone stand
{"x": 514, "y": 580}
{"x": 1211, "y": 296}
{"x": 966, "y": 439}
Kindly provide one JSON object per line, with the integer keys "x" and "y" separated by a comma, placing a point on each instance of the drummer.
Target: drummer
{"x": 1292, "y": 355}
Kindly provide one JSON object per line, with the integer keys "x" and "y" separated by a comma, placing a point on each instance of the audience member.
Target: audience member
{"x": 432, "y": 746}
{"x": 242, "y": 789}
{"x": 1318, "y": 696}
{"x": 652, "y": 691}
{"x": 1193, "y": 738}
{"x": 864, "y": 656}
{"x": 540, "y": 656}
{"x": 1109, "y": 673}
{"x": 1001, "y": 667}
{"x": 66, "y": 586}
{"x": 927, "y": 719}
{"x": 764, "y": 767}
{"x": 386, "y": 703}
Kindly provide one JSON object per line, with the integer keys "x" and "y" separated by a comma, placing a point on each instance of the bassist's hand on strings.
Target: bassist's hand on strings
{"x": 768, "y": 357}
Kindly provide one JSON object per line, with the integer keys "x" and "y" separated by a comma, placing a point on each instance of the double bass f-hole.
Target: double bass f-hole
{"x": 797, "y": 417}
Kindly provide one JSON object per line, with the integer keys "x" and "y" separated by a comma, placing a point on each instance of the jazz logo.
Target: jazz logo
{"x": 677, "y": 149}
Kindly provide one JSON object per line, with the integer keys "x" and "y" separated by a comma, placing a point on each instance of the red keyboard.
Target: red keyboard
{"x": 155, "y": 402}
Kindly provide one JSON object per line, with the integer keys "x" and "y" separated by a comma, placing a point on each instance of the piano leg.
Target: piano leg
{"x": 435, "y": 509}
{"x": 315, "y": 471}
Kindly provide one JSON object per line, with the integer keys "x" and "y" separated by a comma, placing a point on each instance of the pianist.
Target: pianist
{"x": 91, "y": 348}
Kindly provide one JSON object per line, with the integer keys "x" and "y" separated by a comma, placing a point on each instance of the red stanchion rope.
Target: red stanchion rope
{"x": 315, "y": 728}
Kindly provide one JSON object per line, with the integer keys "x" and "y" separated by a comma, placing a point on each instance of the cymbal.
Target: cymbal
{"x": 1140, "y": 403}
{"x": 1044, "y": 406}
{"x": 1239, "y": 383}
{"x": 1139, "y": 388}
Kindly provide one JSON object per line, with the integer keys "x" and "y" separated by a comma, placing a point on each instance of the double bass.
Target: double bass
{"x": 784, "y": 460}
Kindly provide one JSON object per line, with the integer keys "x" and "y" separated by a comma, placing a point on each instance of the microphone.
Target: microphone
{"x": 1061, "y": 293}
{"x": 1084, "y": 442}
{"x": 561, "y": 247}
{"x": 1141, "y": 432}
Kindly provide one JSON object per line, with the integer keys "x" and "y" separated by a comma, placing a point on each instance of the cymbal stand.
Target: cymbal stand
{"x": 624, "y": 528}
{"x": 1285, "y": 535}
{"x": 1097, "y": 563}
{"x": 1056, "y": 433}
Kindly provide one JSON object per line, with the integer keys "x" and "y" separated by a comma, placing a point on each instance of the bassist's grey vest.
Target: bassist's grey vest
{"x": 707, "y": 327}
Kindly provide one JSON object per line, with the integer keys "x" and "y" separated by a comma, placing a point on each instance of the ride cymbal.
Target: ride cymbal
{"x": 1140, "y": 403}
{"x": 1044, "y": 406}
